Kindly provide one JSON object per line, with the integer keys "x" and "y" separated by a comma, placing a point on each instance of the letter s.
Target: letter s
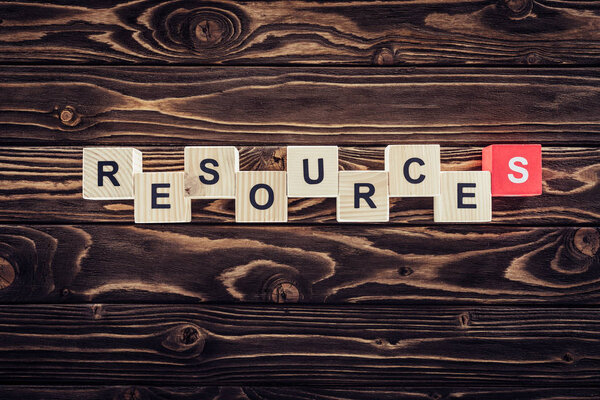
{"x": 524, "y": 173}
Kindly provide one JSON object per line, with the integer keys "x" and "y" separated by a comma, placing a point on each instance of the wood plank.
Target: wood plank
{"x": 309, "y": 264}
{"x": 290, "y": 393}
{"x": 258, "y": 106}
{"x": 294, "y": 345}
{"x": 39, "y": 184}
{"x": 302, "y": 32}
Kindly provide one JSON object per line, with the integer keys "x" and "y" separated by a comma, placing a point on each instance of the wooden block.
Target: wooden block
{"x": 159, "y": 197}
{"x": 363, "y": 196}
{"x": 312, "y": 171}
{"x": 108, "y": 172}
{"x": 210, "y": 171}
{"x": 516, "y": 169}
{"x": 261, "y": 196}
{"x": 466, "y": 196}
{"x": 414, "y": 170}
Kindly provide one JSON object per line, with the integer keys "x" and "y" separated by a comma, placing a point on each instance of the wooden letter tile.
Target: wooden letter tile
{"x": 261, "y": 196}
{"x": 363, "y": 196}
{"x": 210, "y": 171}
{"x": 414, "y": 170}
{"x": 108, "y": 172}
{"x": 312, "y": 171}
{"x": 159, "y": 197}
{"x": 466, "y": 196}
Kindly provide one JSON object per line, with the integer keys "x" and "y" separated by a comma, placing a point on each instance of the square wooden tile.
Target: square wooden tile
{"x": 466, "y": 196}
{"x": 414, "y": 170}
{"x": 160, "y": 198}
{"x": 108, "y": 172}
{"x": 363, "y": 196}
{"x": 210, "y": 171}
{"x": 261, "y": 196}
{"x": 312, "y": 171}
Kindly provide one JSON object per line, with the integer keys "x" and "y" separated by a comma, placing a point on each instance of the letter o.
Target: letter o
{"x": 270, "y": 198}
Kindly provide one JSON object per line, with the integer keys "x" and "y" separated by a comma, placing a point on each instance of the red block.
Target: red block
{"x": 516, "y": 169}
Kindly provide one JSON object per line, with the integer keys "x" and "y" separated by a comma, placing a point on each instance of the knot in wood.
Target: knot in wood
{"x": 383, "y": 56}
{"x": 7, "y": 273}
{"x": 209, "y": 31}
{"x": 65, "y": 292}
{"x": 517, "y": 9}
{"x": 405, "y": 271}
{"x": 185, "y": 338}
{"x": 68, "y": 116}
{"x": 464, "y": 320}
{"x": 533, "y": 58}
{"x": 279, "y": 156}
{"x": 587, "y": 241}
{"x": 568, "y": 358}
{"x": 131, "y": 394}
{"x": 97, "y": 311}
{"x": 285, "y": 292}
{"x": 271, "y": 158}
{"x": 189, "y": 335}
{"x": 284, "y": 288}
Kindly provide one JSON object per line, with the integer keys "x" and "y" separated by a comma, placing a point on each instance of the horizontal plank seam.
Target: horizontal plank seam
{"x": 299, "y": 224}
{"x": 312, "y": 65}
{"x": 73, "y": 146}
{"x": 320, "y": 306}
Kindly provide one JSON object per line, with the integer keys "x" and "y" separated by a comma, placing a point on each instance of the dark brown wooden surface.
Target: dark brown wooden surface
{"x": 260, "y": 106}
{"x": 506, "y": 311}
{"x": 272, "y": 345}
{"x": 43, "y": 184}
{"x": 290, "y": 393}
{"x": 301, "y": 32}
{"x": 286, "y": 264}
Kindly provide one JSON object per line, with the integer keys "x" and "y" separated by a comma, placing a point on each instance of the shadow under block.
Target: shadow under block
{"x": 210, "y": 171}
{"x": 363, "y": 196}
{"x": 160, "y": 198}
{"x": 466, "y": 196}
{"x": 414, "y": 170}
{"x": 516, "y": 169}
{"x": 108, "y": 172}
{"x": 312, "y": 171}
{"x": 261, "y": 196}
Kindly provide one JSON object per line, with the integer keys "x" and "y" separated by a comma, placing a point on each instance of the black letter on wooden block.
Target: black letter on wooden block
{"x": 366, "y": 196}
{"x": 210, "y": 171}
{"x": 306, "y": 175}
{"x": 156, "y": 195}
{"x": 110, "y": 175}
{"x": 407, "y": 166}
{"x": 461, "y": 195}
{"x": 270, "y": 199}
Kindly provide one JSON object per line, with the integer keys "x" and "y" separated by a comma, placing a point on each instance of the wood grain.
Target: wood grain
{"x": 349, "y": 210}
{"x": 337, "y": 106}
{"x": 39, "y": 184}
{"x": 129, "y": 162}
{"x": 275, "y": 201}
{"x": 308, "y": 264}
{"x": 260, "y": 345}
{"x": 172, "y": 204}
{"x": 291, "y": 393}
{"x": 301, "y": 32}
{"x": 222, "y": 164}
{"x": 479, "y": 196}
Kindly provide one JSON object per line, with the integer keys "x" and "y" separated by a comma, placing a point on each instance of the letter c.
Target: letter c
{"x": 407, "y": 176}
